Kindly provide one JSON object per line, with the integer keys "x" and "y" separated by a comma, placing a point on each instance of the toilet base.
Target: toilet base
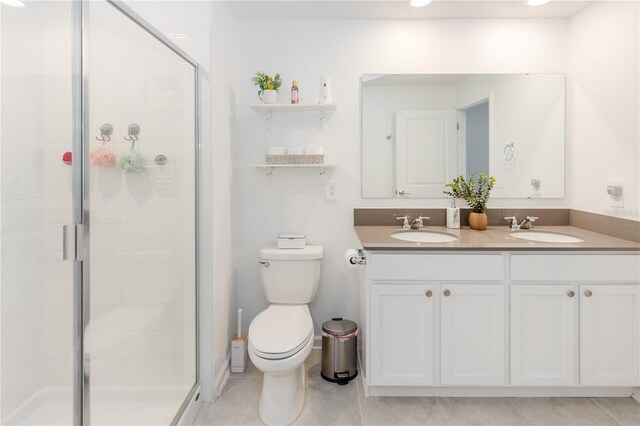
{"x": 282, "y": 397}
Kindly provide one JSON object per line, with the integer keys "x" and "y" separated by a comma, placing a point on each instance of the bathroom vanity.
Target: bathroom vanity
{"x": 491, "y": 314}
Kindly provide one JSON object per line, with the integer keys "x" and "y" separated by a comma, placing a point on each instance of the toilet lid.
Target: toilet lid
{"x": 280, "y": 331}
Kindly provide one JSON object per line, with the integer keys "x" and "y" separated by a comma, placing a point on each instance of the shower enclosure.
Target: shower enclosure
{"x": 98, "y": 214}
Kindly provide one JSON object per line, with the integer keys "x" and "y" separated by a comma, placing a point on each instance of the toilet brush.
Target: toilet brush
{"x": 239, "y": 349}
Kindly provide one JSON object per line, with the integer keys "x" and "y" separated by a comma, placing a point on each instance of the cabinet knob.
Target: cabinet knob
{"x": 571, "y": 293}
{"x": 447, "y": 293}
{"x": 588, "y": 293}
{"x": 429, "y": 293}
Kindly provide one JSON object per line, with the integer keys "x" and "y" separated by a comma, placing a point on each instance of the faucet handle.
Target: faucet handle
{"x": 532, "y": 218}
{"x": 405, "y": 224}
{"x": 514, "y": 221}
{"x": 417, "y": 222}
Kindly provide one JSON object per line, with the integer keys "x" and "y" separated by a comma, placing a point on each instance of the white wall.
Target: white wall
{"x": 604, "y": 107}
{"x": 528, "y": 111}
{"x": 223, "y": 89}
{"x": 295, "y": 200}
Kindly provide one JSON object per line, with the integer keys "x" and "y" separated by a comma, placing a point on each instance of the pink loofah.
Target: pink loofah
{"x": 101, "y": 157}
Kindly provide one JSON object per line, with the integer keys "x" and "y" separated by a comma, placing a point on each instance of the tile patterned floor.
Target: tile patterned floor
{"x": 329, "y": 404}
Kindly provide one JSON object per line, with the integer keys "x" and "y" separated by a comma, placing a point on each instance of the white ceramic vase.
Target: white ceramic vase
{"x": 269, "y": 96}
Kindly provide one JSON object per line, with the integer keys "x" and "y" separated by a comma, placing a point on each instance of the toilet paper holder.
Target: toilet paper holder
{"x": 359, "y": 258}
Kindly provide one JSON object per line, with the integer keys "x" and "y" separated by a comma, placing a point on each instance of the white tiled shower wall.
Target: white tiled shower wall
{"x": 143, "y": 224}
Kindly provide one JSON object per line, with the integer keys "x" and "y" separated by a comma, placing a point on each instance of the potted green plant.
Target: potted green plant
{"x": 476, "y": 194}
{"x": 268, "y": 86}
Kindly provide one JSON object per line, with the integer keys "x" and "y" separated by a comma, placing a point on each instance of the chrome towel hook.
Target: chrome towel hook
{"x": 106, "y": 130}
{"x": 134, "y": 131}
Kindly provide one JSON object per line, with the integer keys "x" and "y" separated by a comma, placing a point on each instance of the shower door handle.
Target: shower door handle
{"x": 71, "y": 235}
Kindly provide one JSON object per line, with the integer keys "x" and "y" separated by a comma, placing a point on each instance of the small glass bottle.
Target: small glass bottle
{"x": 295, "y": 95}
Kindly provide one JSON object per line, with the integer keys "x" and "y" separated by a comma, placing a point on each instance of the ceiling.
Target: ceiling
{"x": 400, "y": 9}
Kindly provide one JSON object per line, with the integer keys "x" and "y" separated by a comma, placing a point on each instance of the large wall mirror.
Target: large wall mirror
{"x": 421, "y": 131}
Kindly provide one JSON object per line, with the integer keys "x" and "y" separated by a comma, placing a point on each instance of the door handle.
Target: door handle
{"x": 265, "y": 264}
{"x": 68, "y": 242}
{"x": 72, "y": 242}
{"x": 402, "y": 192}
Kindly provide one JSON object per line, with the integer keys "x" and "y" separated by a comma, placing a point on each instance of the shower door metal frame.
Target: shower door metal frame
{"x": 81, "y": 197}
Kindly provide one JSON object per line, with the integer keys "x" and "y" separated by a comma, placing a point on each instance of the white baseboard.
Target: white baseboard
{"x": 317, "y": 342}
{"x": 506, "y": 391}
{"x": 222, "y": 377}
{"x": 636, "y": 394}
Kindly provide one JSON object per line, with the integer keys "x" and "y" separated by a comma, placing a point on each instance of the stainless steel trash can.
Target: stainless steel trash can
{"x": 339, "y": 351}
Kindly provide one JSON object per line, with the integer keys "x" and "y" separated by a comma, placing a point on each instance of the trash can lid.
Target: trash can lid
{"x": 339, "y": 327}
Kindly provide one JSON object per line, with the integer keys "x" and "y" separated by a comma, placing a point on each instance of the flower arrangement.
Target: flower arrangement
{"x": 265, "y": 82}
{"x": 474, "y": 192}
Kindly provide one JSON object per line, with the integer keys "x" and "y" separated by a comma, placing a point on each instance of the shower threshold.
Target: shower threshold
{"x": 109, "y": 406}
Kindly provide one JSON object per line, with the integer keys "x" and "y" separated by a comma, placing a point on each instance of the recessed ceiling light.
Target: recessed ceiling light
{"x": 537, "y": 2}
{"x": 14, "y": 3}
{"x": 419, "y": 3}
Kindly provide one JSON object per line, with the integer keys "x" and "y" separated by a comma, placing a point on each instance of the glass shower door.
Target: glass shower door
{"x": 140, "y": 340}
{"x": 36, "y": 175}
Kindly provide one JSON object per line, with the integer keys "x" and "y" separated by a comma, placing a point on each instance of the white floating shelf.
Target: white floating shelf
{"x": 294, "y": 107}
{"x": 294, "y": 166}
{"x": 268, "y": 168}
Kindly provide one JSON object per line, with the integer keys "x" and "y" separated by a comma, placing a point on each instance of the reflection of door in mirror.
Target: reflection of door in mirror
{"x": 426, "y": 152}
{"x": 473, "y": 138}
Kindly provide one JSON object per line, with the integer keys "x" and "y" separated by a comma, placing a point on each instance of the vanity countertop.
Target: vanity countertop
{"x": 494, "y": 238}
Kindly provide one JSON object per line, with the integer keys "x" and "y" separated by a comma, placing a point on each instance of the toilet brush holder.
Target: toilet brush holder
{"x": 239, "y": 354}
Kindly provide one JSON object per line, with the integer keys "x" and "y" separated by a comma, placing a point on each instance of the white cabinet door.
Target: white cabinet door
{"x": 472, "y": 334}
{"x": 543, "y": 335}
{"x": 609, "y": 335}
{"x": 402, "y": 319}
{"x": 426, "y": 151}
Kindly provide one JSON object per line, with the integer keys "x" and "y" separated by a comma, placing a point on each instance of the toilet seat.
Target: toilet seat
{"x": 280, "y": 331}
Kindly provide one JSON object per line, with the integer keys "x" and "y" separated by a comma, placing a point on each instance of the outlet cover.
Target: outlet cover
{"x": 332, "y": 190}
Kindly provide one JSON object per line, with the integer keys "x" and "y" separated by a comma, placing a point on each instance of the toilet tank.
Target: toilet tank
{"x": 290, "y": 276}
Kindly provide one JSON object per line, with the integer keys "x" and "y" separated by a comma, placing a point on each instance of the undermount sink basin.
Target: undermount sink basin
{"x": 424, "y": 237}
{"x": 546, "y": 237}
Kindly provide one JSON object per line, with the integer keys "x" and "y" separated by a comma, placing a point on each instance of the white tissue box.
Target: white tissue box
{"x": 292, "y": 241}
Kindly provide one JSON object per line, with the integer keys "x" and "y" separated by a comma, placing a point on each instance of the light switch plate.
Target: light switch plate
{"x": 332, "y": 190}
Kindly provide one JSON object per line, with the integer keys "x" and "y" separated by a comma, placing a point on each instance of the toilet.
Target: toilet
{"x": 281, "y": 336}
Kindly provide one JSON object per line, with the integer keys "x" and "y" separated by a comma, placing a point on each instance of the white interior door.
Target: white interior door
{"x": 543, "y": 335}
{"x": 402, "y": 334}
{"x": 609, "y": 335}
{"x": 472, "y": 334}
{"x": 426, "y": 152}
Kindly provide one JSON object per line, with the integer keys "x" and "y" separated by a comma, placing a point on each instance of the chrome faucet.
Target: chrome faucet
{"x": 526, "y": 223}
{"x": 417, "y": 222}
{"x": 405, "y": 224}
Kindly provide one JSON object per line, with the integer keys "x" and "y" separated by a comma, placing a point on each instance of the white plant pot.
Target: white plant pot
{"x": 269, "y": 96}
